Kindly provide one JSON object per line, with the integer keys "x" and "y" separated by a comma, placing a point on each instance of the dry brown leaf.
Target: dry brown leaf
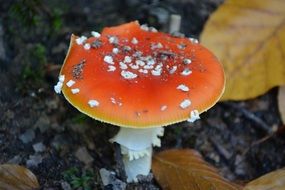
{"x": 14, "y": 177}
{"x": 186, "y": 170}
{"x": 271, "y": 181}
{"x": 249, "y": 39}
{"x": 281, "y": 102}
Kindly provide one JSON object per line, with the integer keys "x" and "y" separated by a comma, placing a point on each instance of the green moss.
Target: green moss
{"x": 35, "y": 17}
{"x": 25, "y": 12}
{"x": 79, "y": 179}
{"x": 56, "y": 22}
{"x": 80, "y": 118}
{"x": 34, "y": 63}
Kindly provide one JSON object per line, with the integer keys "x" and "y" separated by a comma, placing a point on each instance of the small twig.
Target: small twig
{"x": 249, "y": 115}
{"x": 255, "y": 143}
{"x": 221, "y": 150}
{"x": 52, "y": 67}
{"x": 120, "y": 163}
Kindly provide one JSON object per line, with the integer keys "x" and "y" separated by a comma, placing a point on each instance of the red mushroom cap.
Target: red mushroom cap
{"x": 134, "y": 76}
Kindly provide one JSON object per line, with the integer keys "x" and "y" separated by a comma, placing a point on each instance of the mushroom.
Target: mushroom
{"x": 140, "y": 80}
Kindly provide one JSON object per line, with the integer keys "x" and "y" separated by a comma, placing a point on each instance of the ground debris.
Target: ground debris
{"x": 15, "y": 160}
{"x": 43, "y": 123}
{"x": 143, "y": 178}
{"x": 240, "y": 166}
{"x": 83, "y": 155}
{"x": 252, "y": 117}
{"x": 65, "y": 186}
{"x": 109, "y": 179}
{"x": 27, "y": 136}
{"x": 2, "y": 49}
{"x": 221, "y": 150}
{"x": 34, "y": 160}
{"x": 39, "y": 147}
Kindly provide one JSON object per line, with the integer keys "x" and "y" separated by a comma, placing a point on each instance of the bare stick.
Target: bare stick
{"x": 220, "y": 149}
{"x": 249, "y": 115}
{"x": 258, "y": 142}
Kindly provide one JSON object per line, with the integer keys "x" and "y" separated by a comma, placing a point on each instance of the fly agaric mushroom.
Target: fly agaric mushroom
{"x": 141, "y": 80}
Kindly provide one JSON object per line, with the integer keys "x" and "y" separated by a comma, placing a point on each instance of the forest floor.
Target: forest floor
{"x": 41, "y": 131}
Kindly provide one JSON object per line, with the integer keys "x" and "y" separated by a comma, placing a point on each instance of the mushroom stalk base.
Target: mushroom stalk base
{"x": 136, "y": 148}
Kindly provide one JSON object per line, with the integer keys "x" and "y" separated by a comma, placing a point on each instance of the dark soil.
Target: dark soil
{"x": 236, "y": 137}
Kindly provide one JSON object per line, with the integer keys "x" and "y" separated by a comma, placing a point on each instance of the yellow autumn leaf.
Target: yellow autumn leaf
{"x": 186, "y": 170}
{"x": 15, "y": 177}
{"x": 249, "y": 39}
{"x": 272, "y": 181}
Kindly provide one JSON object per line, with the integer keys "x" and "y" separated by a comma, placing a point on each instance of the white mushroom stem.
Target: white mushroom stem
{"x": 174, "y": 23}
{"x": 136, "y": 148}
